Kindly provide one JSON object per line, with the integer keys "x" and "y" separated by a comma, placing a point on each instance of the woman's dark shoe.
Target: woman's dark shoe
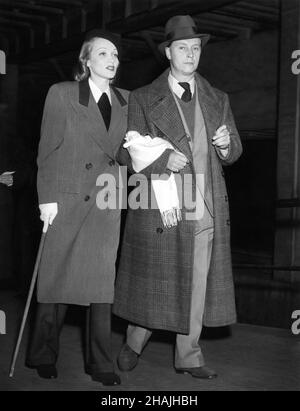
{"x": 198, "y": 372}
{"x": 106, "y": 378}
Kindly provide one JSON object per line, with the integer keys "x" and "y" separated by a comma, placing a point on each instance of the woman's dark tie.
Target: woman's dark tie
{"x": 105, "y": 109}
{"x": 187, "y": 95}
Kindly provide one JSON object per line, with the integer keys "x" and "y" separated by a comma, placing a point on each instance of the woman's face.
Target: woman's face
{"x": 103, "y": 61}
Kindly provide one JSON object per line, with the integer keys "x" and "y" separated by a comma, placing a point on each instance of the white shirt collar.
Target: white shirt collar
{"x": 97, "y": 93}
{"x": 176, "y": 88}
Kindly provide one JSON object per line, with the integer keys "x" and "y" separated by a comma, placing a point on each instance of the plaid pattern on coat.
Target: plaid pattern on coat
{"x": 154, "y": 280}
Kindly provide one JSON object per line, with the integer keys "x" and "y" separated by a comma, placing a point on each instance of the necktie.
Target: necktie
{"x": 105, "y": 109}
{"x": 187, "y": 95}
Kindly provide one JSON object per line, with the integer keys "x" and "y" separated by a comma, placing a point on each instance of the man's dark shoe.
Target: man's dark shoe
{"x": 106, "y": 378}
{"x": 127, "y": 359}
{"x": 47, "y": 371}
{"x": 198, "y": 372}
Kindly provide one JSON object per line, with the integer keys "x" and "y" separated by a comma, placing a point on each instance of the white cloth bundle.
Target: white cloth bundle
{"x": 143, "y": 151}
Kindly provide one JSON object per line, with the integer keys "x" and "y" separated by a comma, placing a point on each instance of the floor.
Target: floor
{"x": 252, "y": 359}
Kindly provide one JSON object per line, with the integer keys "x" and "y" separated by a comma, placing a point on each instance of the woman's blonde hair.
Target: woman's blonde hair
{"x": 83, "y": 72}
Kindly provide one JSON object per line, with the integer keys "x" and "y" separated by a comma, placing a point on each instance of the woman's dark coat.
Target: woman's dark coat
{"x": 78, "y": 261}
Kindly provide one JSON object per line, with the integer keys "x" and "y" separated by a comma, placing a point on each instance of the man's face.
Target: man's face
{"x": 184, "y": 56}
{"x": 103, "y": 61}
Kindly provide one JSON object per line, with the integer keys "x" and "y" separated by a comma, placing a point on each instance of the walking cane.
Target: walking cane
{"x": 32, "y": 285}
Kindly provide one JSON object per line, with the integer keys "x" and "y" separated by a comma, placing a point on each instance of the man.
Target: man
{"x": 179, "y": 277}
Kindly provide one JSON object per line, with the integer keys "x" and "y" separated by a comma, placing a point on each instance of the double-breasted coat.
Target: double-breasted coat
{"x": 154, "y": 280}
{"x": 78, "y": 260}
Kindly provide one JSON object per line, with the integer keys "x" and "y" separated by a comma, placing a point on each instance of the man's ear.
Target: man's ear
{"x": 168, "y": 54}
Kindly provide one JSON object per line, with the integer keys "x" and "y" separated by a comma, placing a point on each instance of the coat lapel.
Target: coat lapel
{"x": 164, "y": 114}
{"x": 96, "y": 126}
{"x": 211, "y": 113}
{"x": 209, "y": 106}
{"x": 118, "y": 120}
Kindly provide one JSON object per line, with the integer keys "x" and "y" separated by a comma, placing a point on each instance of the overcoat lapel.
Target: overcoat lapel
{"x": 211, "y": 115}
{"x": 210, "y": 108}
{"x": 118, "y": 117}
{"x": 96, "y": 127}
{"x": 164, "y": 114}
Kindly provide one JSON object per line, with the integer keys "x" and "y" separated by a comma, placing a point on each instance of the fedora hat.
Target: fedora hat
{"x": 180, "y": 28}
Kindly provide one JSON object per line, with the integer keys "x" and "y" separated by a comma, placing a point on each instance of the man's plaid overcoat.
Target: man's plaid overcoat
{"x": 154, "y": 280}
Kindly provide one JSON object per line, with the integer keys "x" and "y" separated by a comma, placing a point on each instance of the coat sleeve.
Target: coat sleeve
{"x": 52, "y": 134}
{"x": 137, "y": 121}
{"x": 123, "y": 158}
{"x": 235, "y": 148}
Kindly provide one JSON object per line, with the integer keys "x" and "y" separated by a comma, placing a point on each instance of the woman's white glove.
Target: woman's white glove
{"x": 48, "y": 214}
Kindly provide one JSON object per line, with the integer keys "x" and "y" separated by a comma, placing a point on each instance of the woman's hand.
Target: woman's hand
{"x": 48, "y": 214}
{"x": 177, "y": 161}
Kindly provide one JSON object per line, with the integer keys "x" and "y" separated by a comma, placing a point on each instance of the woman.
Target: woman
{"x": 79, "y": 142}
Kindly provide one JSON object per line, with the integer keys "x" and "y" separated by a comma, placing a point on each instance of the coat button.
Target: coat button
{"x": 228, "y": 222}
{"x": 159, "y": 230}
{"x": 86, "y": 198}
{"x": 112, "y": 163}
{"x": 89, "y": 166}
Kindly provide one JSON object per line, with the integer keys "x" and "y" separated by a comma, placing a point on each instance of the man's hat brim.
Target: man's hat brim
{"x": 204, "y": 39}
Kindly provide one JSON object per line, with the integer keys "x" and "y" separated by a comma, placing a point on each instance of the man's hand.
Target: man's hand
{"x": 7, "y": 179}
{"x": 221, "y": 140}
{"x": 177, "y": 161}
{"x": 48, "y": 214}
